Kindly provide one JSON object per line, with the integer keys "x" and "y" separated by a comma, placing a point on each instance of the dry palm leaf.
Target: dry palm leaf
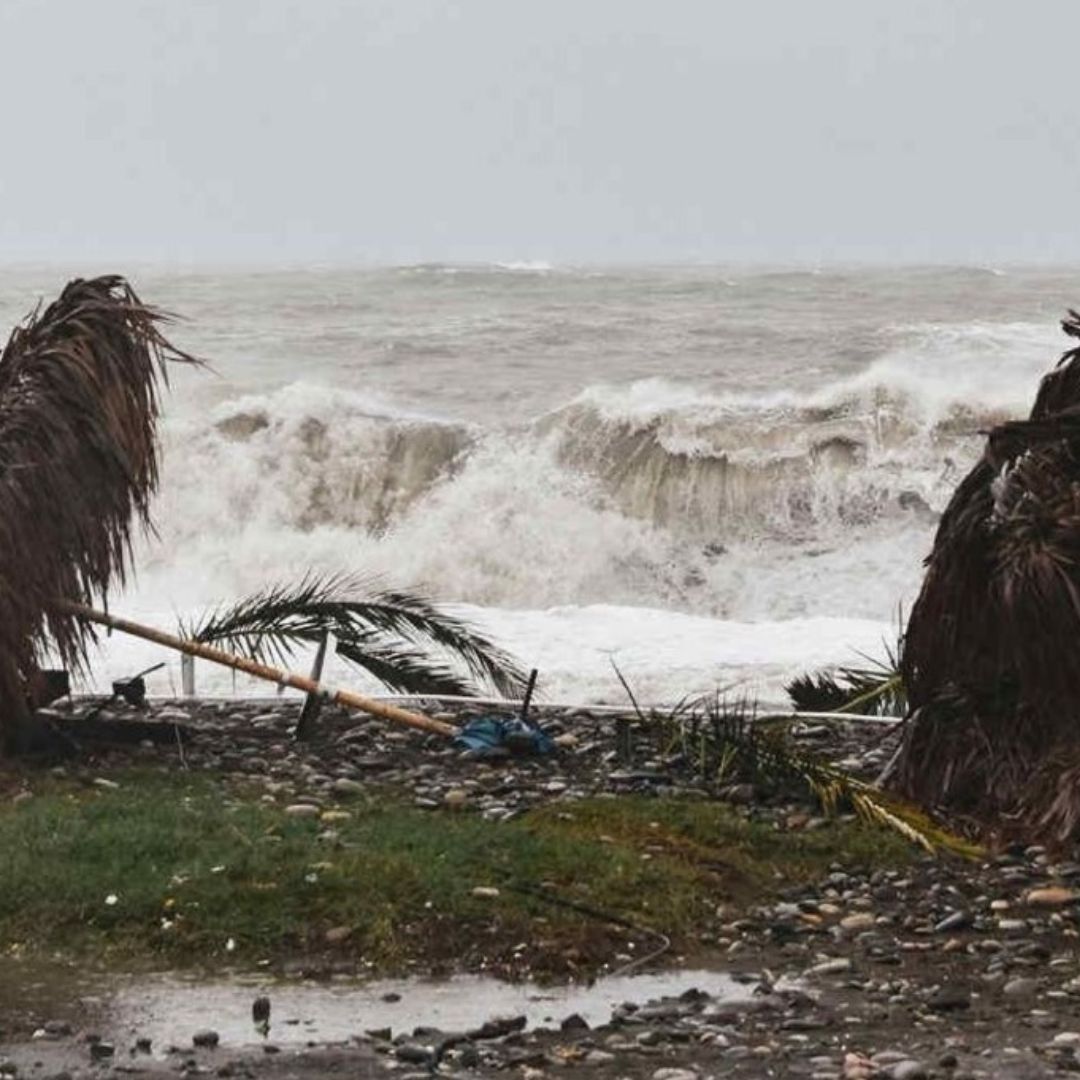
{"x": 991, "y": 659}
{"x": 78, "y": 466}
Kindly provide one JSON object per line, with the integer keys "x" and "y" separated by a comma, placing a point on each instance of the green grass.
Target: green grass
{"x": 193, "y": 863}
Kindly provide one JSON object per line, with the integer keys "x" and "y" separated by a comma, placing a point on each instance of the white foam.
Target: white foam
{"x": 698, "y": 536}
{"x": 663, "y": 655}
{"x": 527, "y": 266}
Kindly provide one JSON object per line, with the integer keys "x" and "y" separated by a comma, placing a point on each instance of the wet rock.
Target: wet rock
{"x": 415, "y": 1054}
{"x": 949, "y": 998}
{"x": 857, "y": 1067}
{"x": 598, "y": 1057}
{"x": 100, "y": 1051}
{"x": 207, "y": 1039}
{"x": 909, "y": 1070}
{"x": 860, "y": 921}
{"x": 1052, "y": 896}
{"x": 836, "y": 966}
{"x": 467, "y": 1056}
{"x": 1012, "y": 926}
{"x": 499, "y": 1027}
{"x": 345, "y": 786}
{"x": 958, "y": 920}
{"x": 1021, "y": 988}
{"x": 574, "y": 1022}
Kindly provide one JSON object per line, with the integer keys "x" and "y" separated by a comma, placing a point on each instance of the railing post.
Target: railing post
{"x": 187, "y": 675}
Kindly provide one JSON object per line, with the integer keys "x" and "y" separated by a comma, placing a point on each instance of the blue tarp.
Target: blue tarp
{"x": 497, "y": 735}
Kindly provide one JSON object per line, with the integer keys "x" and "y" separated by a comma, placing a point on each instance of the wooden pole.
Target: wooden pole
{"x": 260, "y": 671}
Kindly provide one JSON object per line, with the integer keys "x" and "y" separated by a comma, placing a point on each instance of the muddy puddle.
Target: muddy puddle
{"x": 169, "y": 1009}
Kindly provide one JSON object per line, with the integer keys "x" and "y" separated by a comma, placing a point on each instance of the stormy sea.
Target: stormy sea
{"x": 707, "y": 477}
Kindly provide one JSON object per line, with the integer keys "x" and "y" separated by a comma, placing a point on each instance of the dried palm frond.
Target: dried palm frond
{"x": 401, "y": 638}
{"x": 991, "y": 655}
{"x": 78, "y": 466}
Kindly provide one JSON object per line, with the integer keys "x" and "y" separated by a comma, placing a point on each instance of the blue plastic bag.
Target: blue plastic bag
{"x": 496, "y": 736}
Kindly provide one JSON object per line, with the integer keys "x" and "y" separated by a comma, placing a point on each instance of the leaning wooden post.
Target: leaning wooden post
{"x": 346, "y": 698}
{"x": 309, "y": 714}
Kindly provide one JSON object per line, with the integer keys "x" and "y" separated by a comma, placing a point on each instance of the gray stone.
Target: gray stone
{"x": 414, "y": 1054}
{"x": 831, "y": 967}
{"x": 345, "y": 786}
{"x": 949, "y": 999}
{"x": 1020, "y": 987}
{"x": 958, "y": 920}
{"x": 598, "y": 1057}
{"x": 909, "y": 1070}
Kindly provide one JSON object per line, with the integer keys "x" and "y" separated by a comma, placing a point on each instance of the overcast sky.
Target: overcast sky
{"x": 359, "y": 131}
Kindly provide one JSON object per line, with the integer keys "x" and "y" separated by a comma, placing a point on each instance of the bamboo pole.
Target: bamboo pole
{"x": 346, "y": 698}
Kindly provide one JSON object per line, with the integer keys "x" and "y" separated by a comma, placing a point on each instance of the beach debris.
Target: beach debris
{"x": 495, "y": 736}
{"x": 346, "y": 698}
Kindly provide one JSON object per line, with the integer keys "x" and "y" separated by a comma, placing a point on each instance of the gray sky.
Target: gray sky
{"x": 289, "y": 131}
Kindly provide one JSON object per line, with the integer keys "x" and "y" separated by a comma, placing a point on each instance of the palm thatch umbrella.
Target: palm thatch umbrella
{"x": 991, "y": 656}
{"x": 79, "y": 387}
{"x": 78, "y": 466}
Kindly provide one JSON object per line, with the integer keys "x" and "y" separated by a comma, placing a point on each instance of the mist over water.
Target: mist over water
{"x": 709, "y": 476}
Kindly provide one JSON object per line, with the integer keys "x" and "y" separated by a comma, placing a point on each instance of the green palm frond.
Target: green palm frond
{"x": 400, "y": 638}
{"x": 726, "y": 744}
{"x": 876, "y": 688}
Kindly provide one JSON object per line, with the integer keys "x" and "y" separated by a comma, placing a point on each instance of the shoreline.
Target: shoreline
{"x": 875, "y": 966}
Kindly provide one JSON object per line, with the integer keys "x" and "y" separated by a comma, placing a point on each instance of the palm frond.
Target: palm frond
{"x": 401, "y": 638}
{"x": 990, "y": 654}
{"x": 78, "y": 464}
{"x": 727, "y": 745}
{"x": 869, "y": 690}
{"x": 876, "y": 688}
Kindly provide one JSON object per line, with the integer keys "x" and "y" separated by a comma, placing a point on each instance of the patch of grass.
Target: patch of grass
{"x": 178, "y": 865}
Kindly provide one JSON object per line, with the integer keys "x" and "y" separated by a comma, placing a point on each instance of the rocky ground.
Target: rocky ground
{"x": 945, "y": 969}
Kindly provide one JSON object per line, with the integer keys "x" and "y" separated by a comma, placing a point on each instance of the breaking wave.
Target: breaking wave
{"x": 651, "y": 492}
